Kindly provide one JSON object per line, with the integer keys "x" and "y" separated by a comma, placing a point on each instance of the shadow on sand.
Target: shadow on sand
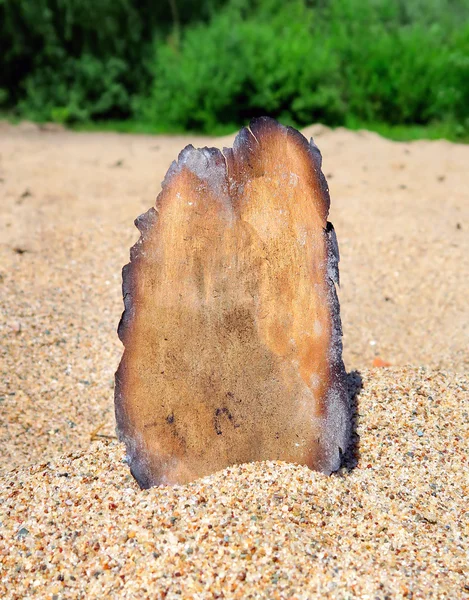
{"x": 351, "y": 456}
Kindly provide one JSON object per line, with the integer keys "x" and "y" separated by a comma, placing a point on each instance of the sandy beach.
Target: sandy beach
{"x": 393, "y": 523}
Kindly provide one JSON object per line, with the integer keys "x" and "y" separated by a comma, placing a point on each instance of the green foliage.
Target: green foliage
{"x": 233, "y": 68}
{"x": 75, "y": 60}
{"x": 69, "y": 60}
{"x": 375, "y": 61}
{"x": 211, "y": 65}
{"x": 84, "y": 88}
{"x": 399, "y": 66}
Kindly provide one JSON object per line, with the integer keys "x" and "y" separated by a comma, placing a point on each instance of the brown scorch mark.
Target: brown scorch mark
{"x": 231, "y": 326}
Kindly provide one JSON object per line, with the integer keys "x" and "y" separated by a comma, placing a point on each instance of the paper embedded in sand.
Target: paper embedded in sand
{"x": 231, "y": 325}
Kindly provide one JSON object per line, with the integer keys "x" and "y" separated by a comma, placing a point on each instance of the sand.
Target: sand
{"x": 73, "y": 523}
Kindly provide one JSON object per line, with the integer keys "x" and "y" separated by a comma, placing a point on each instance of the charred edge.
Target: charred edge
{"x": 213, "y": 157}
{"x": 184, "y": 158}
{"x": 339, "y": 425}
{"x": 146, "y": 221}
{"x": 244, "y": 148}
{"x": 338, "y": 387}
{"x": 336, "y": 322}
{"x": 316, "y": 156}
{"x": 175, "y": 165}
{"x": 219, "y": 412}
{"x": 118, "y": 401}
{"x": 213, "y": 153}
{"x": 122, "y": 327}
{"x": 333, "y": 256}
{"x": 144, "y": 224}
{"x": 261, "y": 126}
{"x": 186, "y": 150}
{"x": 316, "y": 153}
{"x": 141, "y": 474}
{"x": 127, "y": 292}
{"x": 298, "y": 138}
{"x": 196, "y": 160}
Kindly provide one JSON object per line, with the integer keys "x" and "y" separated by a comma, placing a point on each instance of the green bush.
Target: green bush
{"x": 231, "y": 69}
{"x": 210, "y": 65}
{"x": 76, "y": 60}
{"x": 84, "y": 88}
{"x": 375, "y": 61}
{"x": 398, "y": 66}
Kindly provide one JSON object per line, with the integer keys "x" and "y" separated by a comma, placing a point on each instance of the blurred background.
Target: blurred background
{"x": 399, "y": 67}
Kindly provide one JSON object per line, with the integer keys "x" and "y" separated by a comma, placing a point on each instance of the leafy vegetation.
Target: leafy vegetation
{"x": 211, "y": 65}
